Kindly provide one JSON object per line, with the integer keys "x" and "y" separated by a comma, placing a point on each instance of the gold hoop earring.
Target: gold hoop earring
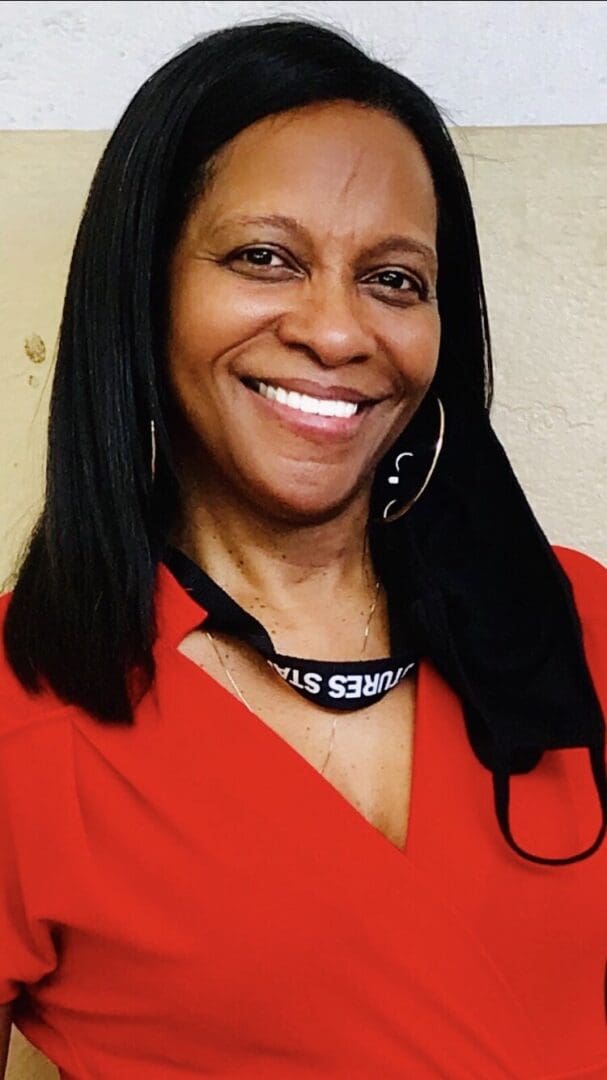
{"x": 152, "y": 449}
{"x": 389, "y": 516}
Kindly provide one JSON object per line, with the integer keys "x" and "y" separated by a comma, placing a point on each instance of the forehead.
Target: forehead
{"x": 336, "y": 166}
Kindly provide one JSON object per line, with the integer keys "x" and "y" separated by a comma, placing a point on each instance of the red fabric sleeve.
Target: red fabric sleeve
{"x": 27, "y": 951}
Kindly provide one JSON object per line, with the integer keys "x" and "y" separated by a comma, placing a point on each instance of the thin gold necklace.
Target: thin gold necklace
{"x": 242, "y": 698}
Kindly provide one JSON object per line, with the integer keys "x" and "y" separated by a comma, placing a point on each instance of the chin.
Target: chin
{"x": 297, "y": 490}
{"x": 297, "y": 507}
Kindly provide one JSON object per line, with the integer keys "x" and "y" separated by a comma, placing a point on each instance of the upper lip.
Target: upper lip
{"x": 315, "y": 389}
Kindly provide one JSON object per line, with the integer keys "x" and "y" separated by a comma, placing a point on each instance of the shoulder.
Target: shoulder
{"x": 588, "y": 579}
{"x": 19, "y": 709}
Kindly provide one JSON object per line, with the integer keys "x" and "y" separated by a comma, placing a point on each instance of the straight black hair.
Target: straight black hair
{"x": 485, "y": 596}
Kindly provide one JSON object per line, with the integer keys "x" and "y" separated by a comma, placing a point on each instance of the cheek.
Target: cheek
{"x": 196, "y": 331}
{"x": 213, "y": 313}
{"x": 415, "y": 346}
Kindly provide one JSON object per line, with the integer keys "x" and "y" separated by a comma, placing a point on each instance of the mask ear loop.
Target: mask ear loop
{"x": 501, "y": 792}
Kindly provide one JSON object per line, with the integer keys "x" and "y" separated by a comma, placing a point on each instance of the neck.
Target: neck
{"x": 280, "y": 571}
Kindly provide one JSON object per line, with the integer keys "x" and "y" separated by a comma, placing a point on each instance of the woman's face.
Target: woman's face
{"x": 304, "y": 329}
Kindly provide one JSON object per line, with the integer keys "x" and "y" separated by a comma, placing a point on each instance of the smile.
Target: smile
{"x": 306, "y": 403}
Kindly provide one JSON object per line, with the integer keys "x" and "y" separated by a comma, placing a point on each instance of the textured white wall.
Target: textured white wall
{"x": 68, "y": 64}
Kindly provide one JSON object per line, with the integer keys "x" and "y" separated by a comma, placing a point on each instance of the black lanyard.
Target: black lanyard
{"x": 341, "y": 685}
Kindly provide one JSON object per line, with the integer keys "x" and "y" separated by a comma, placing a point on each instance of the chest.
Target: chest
{"x": 230, "y": 867}
{"x": 365, "y": 754}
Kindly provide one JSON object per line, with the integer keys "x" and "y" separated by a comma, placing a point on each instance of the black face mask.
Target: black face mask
{"x": 339, "y": 685}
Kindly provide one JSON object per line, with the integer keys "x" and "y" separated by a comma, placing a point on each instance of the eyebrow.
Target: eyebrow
{"x": 389, "y": 243}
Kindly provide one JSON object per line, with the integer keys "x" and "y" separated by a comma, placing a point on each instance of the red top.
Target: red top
{"x": 191, "y": 898}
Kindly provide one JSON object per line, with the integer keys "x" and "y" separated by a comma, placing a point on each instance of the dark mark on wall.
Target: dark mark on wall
{"x": 35, "y": 349}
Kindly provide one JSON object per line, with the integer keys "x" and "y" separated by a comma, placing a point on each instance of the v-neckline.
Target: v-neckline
{"x": 179, "y": 614}
{"x": 308, "y": 772}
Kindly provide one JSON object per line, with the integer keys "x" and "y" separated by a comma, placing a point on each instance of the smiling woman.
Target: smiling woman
{"x": 302, "y": 716}
{"x": 315, "y": 331}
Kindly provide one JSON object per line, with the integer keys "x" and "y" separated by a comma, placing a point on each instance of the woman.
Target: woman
{"x": 287, "y": 629}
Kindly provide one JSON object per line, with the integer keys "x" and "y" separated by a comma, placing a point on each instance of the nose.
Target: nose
{"x": 325, "y": 323}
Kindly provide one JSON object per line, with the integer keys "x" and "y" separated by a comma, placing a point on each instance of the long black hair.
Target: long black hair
{"x": 486, "y": 598}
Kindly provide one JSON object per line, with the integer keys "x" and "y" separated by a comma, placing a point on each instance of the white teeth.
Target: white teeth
{"x": 307, "y": 404}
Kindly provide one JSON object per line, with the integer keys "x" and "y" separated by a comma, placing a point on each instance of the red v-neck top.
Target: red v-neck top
{"x": 189, "y": 897}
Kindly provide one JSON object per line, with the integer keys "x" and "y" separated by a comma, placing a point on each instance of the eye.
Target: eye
{"x": 258, "y": 257}
{"x": 399, "y": 282}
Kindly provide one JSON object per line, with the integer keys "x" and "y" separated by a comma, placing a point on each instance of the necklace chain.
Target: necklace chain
{"x": 242, "y": 698}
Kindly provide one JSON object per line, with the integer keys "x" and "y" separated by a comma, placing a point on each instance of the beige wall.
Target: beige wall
{"x": 25, "y": 1062}
{"x": 539, "y": 198}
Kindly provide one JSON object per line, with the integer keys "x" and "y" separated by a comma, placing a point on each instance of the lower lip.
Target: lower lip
{"x": 310, "y": 424}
